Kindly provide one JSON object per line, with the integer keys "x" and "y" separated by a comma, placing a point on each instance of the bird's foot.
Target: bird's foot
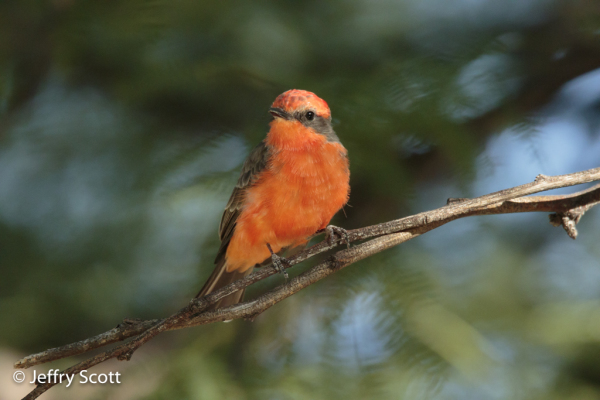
{"x": 278, "y": 262}
{"x": 332, "y": 232}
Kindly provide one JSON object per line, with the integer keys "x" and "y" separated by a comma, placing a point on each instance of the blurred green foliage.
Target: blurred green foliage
{"x": 122, "y": 128}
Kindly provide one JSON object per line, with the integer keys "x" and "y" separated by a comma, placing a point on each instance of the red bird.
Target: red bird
{"x": 290, "y": 187}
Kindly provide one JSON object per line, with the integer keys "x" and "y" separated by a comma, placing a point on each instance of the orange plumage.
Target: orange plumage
{"x": 291, "y": 186}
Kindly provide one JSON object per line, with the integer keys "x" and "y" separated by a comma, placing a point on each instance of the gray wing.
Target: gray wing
{"x": 254, "y": 165}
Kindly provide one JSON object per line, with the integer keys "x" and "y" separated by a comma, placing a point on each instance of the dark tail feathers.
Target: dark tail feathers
{"x": 219, "y": 278}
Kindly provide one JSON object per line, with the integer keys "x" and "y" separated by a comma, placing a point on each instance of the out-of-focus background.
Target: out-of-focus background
{"x": 123, "y": 125}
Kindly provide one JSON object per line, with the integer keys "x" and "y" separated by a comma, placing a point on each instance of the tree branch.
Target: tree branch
{"x": 568, "y": 211}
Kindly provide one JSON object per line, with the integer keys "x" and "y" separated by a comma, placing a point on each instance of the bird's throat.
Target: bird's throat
{"x": 292, "y": 135}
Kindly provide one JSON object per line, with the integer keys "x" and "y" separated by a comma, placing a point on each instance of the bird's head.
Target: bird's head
{"x": 300, "y": 107}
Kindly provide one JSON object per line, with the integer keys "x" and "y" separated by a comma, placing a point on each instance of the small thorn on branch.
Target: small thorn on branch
{"x": 335, "y": 263}
{"x": 125, "y": 356}
{"x": 128, "y": 322}
{"x": 569, "y": 224}
{"x": 541, "y": 178}
{"x": 252, "y": 317}
{"x": 454, "y": 200}
{"x": 569, "y": 220}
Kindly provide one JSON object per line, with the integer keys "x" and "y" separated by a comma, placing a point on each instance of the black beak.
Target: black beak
{"x": 280, "y": 113}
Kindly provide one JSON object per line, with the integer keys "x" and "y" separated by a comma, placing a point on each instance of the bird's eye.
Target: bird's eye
{"x": 310, "y": 115}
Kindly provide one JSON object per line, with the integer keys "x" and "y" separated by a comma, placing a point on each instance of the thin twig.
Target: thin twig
{"x": 390, "y": 234}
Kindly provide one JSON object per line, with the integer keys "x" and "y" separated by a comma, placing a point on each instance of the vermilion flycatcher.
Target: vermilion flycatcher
{"x": 291, "y": 186}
